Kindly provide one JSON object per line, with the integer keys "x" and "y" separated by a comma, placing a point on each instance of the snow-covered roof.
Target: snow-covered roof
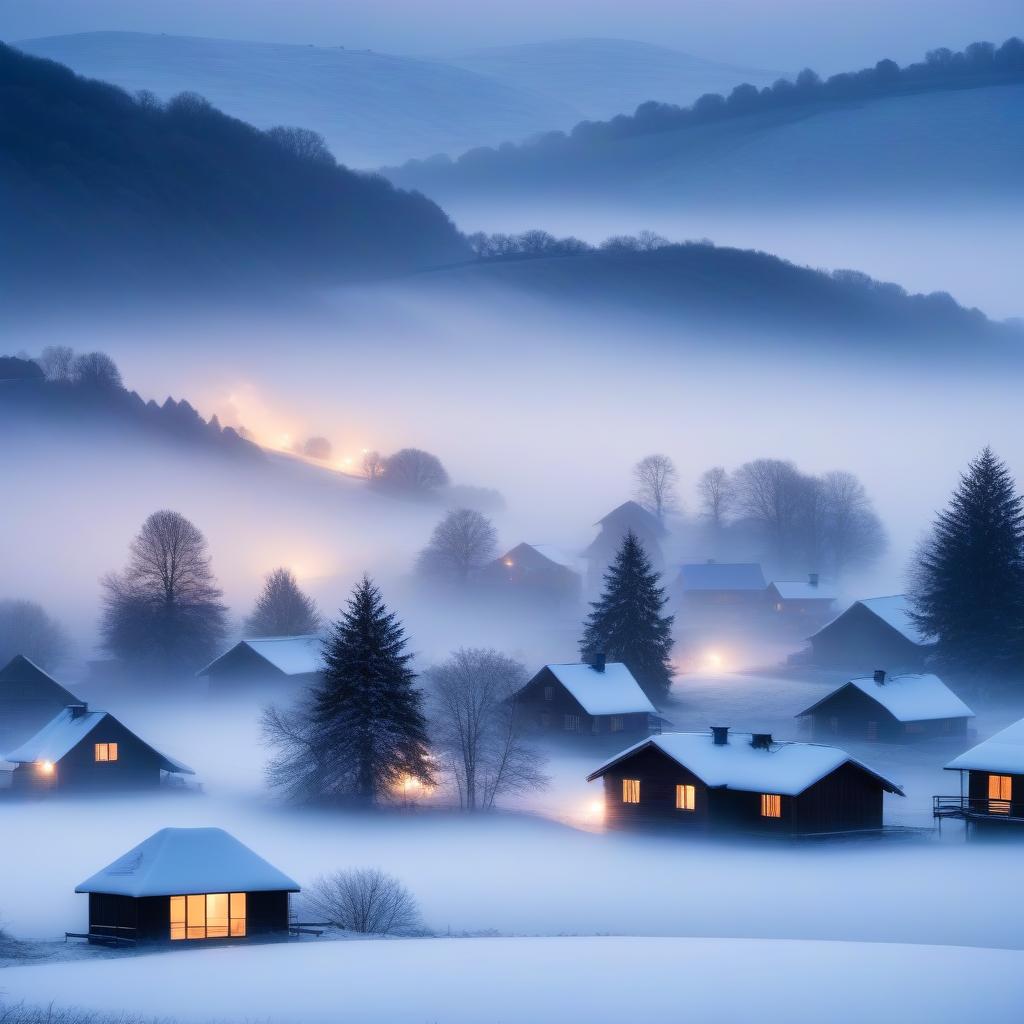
{"x": 722, "y": 576}
{"x": 914, "y": 697}
{"x": 632, "y": 513}
{"x": 802, "y": 590}
{"x": 23, "y": 679}
{"x": 611, "y": 692}
{"x": 66, "y": 730}
{"x": 557, "y": 555}
{"x": 786, "y": 768}
{"x": 893, "y": 610}
{"x": 179, "y": 861}
{"x": 1003, "y": 752}
{"x": 290, "y": 655}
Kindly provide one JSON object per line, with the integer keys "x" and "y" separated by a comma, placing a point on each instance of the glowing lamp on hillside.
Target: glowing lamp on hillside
{"x": 46, "y": 767}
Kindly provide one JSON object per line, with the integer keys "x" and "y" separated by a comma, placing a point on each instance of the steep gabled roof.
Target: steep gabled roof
{"x": 179, "y": 861}
{"x": 290, "y": 655}
{"x": 786, "y": 768}
{"x": 696, "y": 576}
{"x": 913, "y": 697}
{"x": 611, "y": 692}
{"x": 21, "y": 679}
{"x": 66, "y": 730}
{"x": 1003, "y": 752}
{"x": 632, "y": 513}
{"x": 893, "y": 610}
{"x": 537, "y": 557}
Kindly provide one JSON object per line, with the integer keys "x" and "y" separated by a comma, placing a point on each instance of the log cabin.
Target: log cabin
{"x": 581, "y": 699}
{"x": 893, "y": 709}
{"x": 187, "y": 885}
{"x": 80, "y": 750}
{"x": 721, "y": 782}
{"x": 630, "y": 515}
{"x": 266, "y": 663}
{"x": 538, "y": 574}
{"x": 29, "y": 698}
{"x": 809, "y": 600}
{"x": 873, "y": 631}
{"x": 991, "y": 781}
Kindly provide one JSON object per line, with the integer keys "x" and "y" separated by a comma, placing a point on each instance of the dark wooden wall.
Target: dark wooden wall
{"x": 860, "y": 641}
{"x": 854, "y": 710}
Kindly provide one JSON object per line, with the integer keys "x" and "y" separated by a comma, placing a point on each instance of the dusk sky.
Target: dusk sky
{"x": 830, "y": 34}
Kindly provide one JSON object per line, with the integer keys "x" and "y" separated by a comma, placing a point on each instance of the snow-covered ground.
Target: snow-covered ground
{"x": 533, "y": 981}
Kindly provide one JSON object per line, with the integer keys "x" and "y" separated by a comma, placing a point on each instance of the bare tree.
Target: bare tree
{"x": 57, "y": 362}
{"x": 96, "y": 370}
{"x": 853, "y": 533}
{"x": 26, "y": 629}
{"x": 363, "y": 900}
{"x": 771, "y": 495}
{"x": 475, "y": 727}
{"x": 317, "y": 448}
{"x": 282, "y": 609}
{"x": 464, "y": 541}
{"x": 165, "y": 608}
{"x": 716, "y": 496}
{"x": 304, "y": 143}
{"x": 373, "y": 466}
{"x": 656, "y": 479}
{"x": 412, "y": 471}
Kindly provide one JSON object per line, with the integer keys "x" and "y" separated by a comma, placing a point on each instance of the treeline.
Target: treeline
{"x": 977, "y": 65}
{"x": 117, "y": 188}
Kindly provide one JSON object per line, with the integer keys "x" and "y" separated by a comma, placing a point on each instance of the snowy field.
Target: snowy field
{"x": 534, "y": 981}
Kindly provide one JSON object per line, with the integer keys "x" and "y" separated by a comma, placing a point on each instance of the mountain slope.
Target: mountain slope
{"x": 371, "y": 108}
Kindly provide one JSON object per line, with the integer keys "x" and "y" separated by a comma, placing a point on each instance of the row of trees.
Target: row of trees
{"x": 536, "y": 243}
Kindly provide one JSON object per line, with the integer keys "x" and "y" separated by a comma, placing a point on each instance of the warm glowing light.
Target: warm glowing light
{"x": 46, "y": 767}
{"x": 597, "y": 808}
{"x": 509, "y": 562}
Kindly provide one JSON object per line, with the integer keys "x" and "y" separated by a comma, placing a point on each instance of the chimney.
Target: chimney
{"x": 812, "y": 578}
{"x": 720, "y": 735}
{"x": 598, "y": 662}
{"x": 761, "y": 740}
{"x": 880, "y": 676}
{"x": 77, "y": 710}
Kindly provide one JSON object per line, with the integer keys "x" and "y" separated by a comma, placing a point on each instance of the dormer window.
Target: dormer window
{"x": 106, "y": 751}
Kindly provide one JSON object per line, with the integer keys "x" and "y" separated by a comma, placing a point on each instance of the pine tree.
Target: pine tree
{"x": 626, "y": 624}
{"x": 282, "y": 609}
{"x": 365, "y": 720}
{"x": 968, "y": 581}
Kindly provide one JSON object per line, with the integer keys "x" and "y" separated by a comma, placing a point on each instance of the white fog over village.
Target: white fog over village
{"x": 511, "y": 513}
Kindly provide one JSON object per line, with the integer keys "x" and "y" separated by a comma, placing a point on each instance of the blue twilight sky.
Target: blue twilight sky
{"x": 830, "y": 34}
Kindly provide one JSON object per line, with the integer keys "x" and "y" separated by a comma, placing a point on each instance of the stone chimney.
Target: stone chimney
{"x": 720, "y": 735}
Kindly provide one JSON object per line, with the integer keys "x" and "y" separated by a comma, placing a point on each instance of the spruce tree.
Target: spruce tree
{"x": 968, "y": 580}
{"x": 626, "y": 624}
{"x": 366, "y": 717}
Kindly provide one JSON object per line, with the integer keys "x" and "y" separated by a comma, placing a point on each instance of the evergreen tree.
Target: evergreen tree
{"x": 282, "y": 609}
{"x": 626, "y": 624}
{"x": 968, "y": 580}
{"x": 362, "y": 733}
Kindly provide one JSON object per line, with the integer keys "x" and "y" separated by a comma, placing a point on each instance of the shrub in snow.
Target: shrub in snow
{"x": 21, "y": 1014}
{"x": 363, "y": 900}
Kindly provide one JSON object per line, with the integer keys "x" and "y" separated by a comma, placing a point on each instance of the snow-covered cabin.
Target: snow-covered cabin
{"x": 80, "y": 750}
{"x": 29, "y": 698}
{"x": 991, "y": 780}
{"x": 725, "y": 781}
{"x": 184, "y": 885}
{"x": 712, "y": 583}
{"x": 536, "y": 573}
{"x": 891, "y": 708}
{"x": 806, "y": 599}
{"x": 587, "y": 699}
{"x": 613, "y": 527}
{"x": 874, "y": 631}
{"x": 266, "y": 662}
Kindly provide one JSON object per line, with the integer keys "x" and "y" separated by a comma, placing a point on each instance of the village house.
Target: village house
{"x": 894, "y": 709}
{"x": 586, "y": 700}
{"x": 271, "y": 662}
{"x": 874, "y": 631}
{"x": 539, "y": 574}
{"x": 713, "y": 584}
{"x": 186, "y": 885}
{"x": 29, "y": 698}
{"x": 80, "y": 750}
{"x": 601, "y": 552}
{"x": 991, "y": 781}
{"x": 740, "y": 782}
{"x": 808, "y": 599}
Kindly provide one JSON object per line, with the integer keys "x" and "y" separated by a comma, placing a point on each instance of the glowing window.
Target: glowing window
{"x": 771, "y": 805}
{"x": 631, "y": 791}
{"x": 686, "y": 798}
{"x": 238, "y": 913}
{"x": 177, "y": 917}
{"x": 212, "y": 915}
{"x": 1000, "y": 793}
{"x": 106, "y": 751}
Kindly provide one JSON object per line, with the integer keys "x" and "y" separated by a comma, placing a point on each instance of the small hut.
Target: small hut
{"x": 740, "y": 782}
{"x": 184, "y": 885}
{"x": 536, "y": 573}
{"x": 293, "y": 661}
{"x": 991, "y": 781}
{"x": 80, "y": 750}
{"x": 876, "y": 630}
{"x": 713, "y": 584}
{"x": 29, "y": 698}
{"x": 808, "y": 599}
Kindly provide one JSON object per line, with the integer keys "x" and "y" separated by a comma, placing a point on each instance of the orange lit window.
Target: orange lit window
{"x": 238, "y": 913}
{"x": 1000, "y": 793}
{"x": 631, "y": 791}
{"x": 106, "y": 751}
{"x": 177, "y": 917}
{"x": 212, "y": 915}
{"x": 686, "y": 798}
{"x": 771, "y": 805}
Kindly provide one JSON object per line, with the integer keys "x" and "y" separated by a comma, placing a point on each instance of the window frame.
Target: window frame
{"x": 109, "y": 752}
{"x": 187, "y": 910}
{"x": 686, "y": 797}
{"x": 1001, "y": 800}
{"x": 631, "y": 791}
{"x": 771, "y": 805}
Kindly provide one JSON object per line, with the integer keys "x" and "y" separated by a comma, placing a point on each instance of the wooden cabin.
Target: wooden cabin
{"x": 80, "y": 750}
{"x": 278, "y": 662}
{"x": 187, "y": 885}
{"x": 538, "y": 574}
{"x": 876, "y": 630}
{"x": 893, "y": 709}
{"x": 714, "y": 584}
{"x": 991, "y": 781}
{"x": 808, "y": 601}
{"x": 29, "y": 698}
{"x": 586, "y": 700}
{"x": 613, "y": 527}
{"x": 740, "y": 782}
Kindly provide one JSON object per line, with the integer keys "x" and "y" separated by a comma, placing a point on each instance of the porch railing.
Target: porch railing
{"x": 976, "y": 808}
